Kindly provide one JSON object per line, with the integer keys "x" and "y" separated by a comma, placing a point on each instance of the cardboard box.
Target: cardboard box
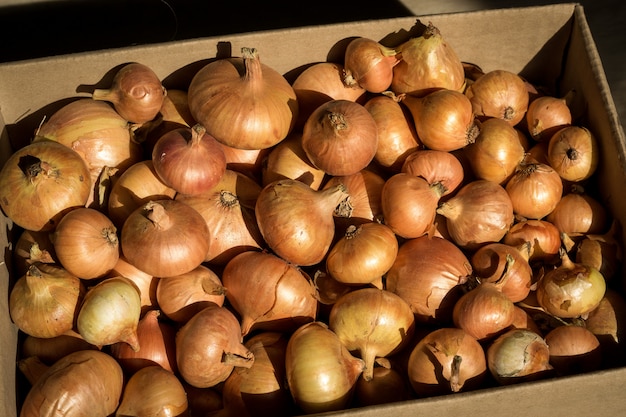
{"x": 550, "y": 45}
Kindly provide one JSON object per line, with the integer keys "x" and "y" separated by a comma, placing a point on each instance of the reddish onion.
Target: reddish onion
{"x": 369, "y": 64}
{"x": 435, "y": 167}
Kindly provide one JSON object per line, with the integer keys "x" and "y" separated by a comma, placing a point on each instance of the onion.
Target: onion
{"x": 182, "y": 296}
{"x": 134, "y": 188}
{"x": 570, "y": 290}
{"x": 369, "y": 64}
{"x": 321, "y": 82}
{"x": 573, "y": 152}
{"x": 145, "y": 283}
{"x": 136, "y": 93}
{"x": 363, "y": 255}
{"x": 158, "y": 347}
{"x": 321, "y": 372}
{"x": 165, "y": 238}
{"x": 87, "y": 382}
{"x": 500, "y": 94}
{"x": 579, "y": 213}
{"x": 175, "y": 107}
{"x": 246, "y": 161}
{"x": 189, "y": 160}
{"x": 446, "y": 360}
{"x": 287, "y": 160}
{"x": 153, "y": 391}
{"x": 50, "y": 349}
{"x": 444, "y": 119}
{"x": 573, "y": 350}
{"x": 297, "y": 221}
{"x": 607, "y": 322}
{"x": 268, "y": 292}
{"x": 543, "y": 236}
{"x": 535, "y": 190}
{"x": 496, "y": 152}
{"x": 480, "y": 212}
{"x": 209, "y": 346}
{"x": 397, "y": 137}
{"x": 228, "y": 210}
{"x": 40, "y": 183}
{"x": 373, "y": 322}
{"x": 227, "y": 91}
{"x": 32, "y": 247}
{"x": 98, "y": 134}
{"x": 426, "y": 274}
{"x": 409, "y": 204}
{"x": 436, "y": 167}
{"x": 44, "y": 301}
{"x": 86, "y": 243}
{"x": 110, "y": 313}
{"x": 518, "y": 355}
{"x": 523, "y": 320}
{"x": 386, "y": 386}
{"x": 602, "y": 251}
{"x": 546, "y": 115}
{"x": 340, "y": 137}
{"x": 427, "y": 62}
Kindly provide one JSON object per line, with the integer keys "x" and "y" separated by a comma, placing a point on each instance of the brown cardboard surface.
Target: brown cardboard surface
{"x": 550, "y": 45}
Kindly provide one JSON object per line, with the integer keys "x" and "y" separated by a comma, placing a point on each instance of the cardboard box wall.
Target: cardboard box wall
{"x": 549, "y": 45}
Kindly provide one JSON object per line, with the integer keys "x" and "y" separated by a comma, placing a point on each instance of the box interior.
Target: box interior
{"x": 549, "y": 45}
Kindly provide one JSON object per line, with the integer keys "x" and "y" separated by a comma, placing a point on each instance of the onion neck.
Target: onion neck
{"x": 331, "y": 197}
{"x": 33, "y": 167}
{"x": 105, "y": 94}
{"x": 197, "y": 133}
{"x": 455, "y": 374}
{"x": 252, "y": 64}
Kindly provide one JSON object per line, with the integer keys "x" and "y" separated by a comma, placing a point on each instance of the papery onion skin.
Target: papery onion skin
{"x": 41, "y": 182}
{"x": 436, "y": 167}
{"x": 607, "y": 322}
{"x": 209, "y": 346}
{"x": 432, "y": 360}
{"x": 86, "y": 382}
{"x": 224, "y": 96}
{"x": 543, "y": 236}
{"x": 374, "y": 322}
{"x": 427, "y": 273}
{"x": 32, "y": 247}
{"x": 340, "y": 137}
{"x": 176, "y": 231}
{"x": 321, "y": 372}
{"x": 535, "y": 190}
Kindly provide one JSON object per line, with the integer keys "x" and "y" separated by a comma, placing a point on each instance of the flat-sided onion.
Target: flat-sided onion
{"x": 41, "y": 182}
{"x": 340, "y": 137}
{"x": 243, "y": 103}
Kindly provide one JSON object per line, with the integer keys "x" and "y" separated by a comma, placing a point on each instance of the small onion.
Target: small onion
{"x": 435, "y": 167}
{"x": 535, "y": 190}
{"x": 30, "y": 248}
{"x": 321, "y": 372}
{"x": 573, "y": 350}
{"x": 573, "y": 152}
{"x": 340, "y": 137}
{"x": 145, "y": 283}
{"x": 369, "y": 64}
{"x": 543, "y": 236}
{"x": 386, "y": 386}
{"x": 546, "y": 115}
{"x": 579, "y": 213}
{"x": 602, "y": 251}
{"x": 136, "y": 93}
{"x": 375, "y": 323}
{"x": 50, "y": 349}
{"x": 608, "y": 323}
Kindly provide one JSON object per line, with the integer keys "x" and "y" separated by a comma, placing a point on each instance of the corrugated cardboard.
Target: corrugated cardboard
{"x": 549, "y": 45}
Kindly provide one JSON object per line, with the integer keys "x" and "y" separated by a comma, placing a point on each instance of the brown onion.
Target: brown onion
{"x": 573, "y": 350}
{"x": 110, "y": 313}
{"x": 397, "y": 137}
{"x": 51, "y": 349}
{"x": 446, "y": 360}
{"x": 136, "y": 93}
{"x": 87, "y": 382}
{"x": 156, "y": 338}
{"x": 518, "y": 355}
{"x": 546, "y": 115}
{"x": 500, "y": 94}
{"x": 145, "y": 283}
{"x": 340, "y": 137}
{"x": 226, "y": 91}
{"x": 444, "y": 119}
{"x": 386, "y": 386}
{"x": 86, "y": 243}
{"x": 373, "y": 322}
{"x": 363, "y": 255}
{"x": 209, "y": 346}
{"x": 573, "y": 152}
{"x": 436, "y": 167}
{"x": 409, "y": 204}
{"x": 32, "y": 247}
{"x": 44, "y": 301}
{"x": 523, "y": 320}
{"x": 246, "y": 161}
{"x": 321, "y": 372}
{"x": 427, "y": 273}
{"x": 268, "y": 292}
{"x": 297, "y": 221}
{"x": 602, "y": 251}
{"x": 496, "y": 152}
{"x": 535, "y": 190}
{"x": 607, "y": 322}
{"x": 135, "y": 187}
{"x": 165, "y": 238}
{"x": 427, "y": 62}
{"x": 543, "y": 236}
{"x": 480, "y": 212}
{"x": 41, "y": 182}
{"x": 175, "y": 107}
{"x": 189, "y": 160}
{"x": 579, "y": 213}
{"x": 369, "y": 64}
{"x": 180, "y": 297}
